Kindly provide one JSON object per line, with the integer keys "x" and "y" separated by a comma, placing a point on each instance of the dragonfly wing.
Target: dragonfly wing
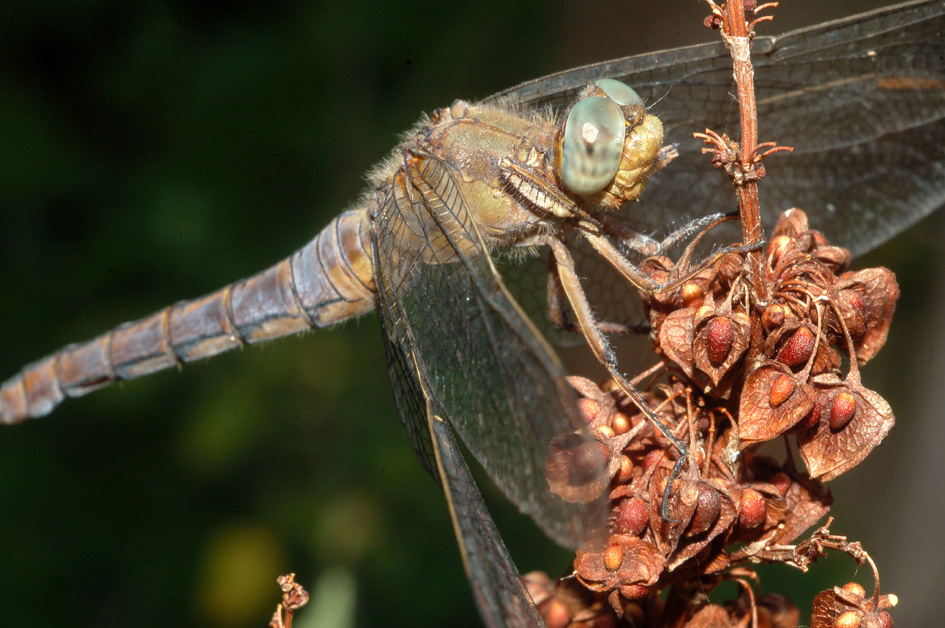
{"x": 458, "y": 336}
{"x": 861, "y": 100}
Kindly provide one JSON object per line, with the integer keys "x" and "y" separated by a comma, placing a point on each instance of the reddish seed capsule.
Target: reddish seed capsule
{"x": 556, "y": 614}
{"x": 772, "y": 317}
{"x": 782, "y": 388}
{"x": 589, "y": 408}
{"x": 605, "y": 432}
{"x": 692, "y": 295}
{"x": 855, "y": 300}
{"x": 631, "y": 517}
{"x": 707, "y": 510}
{"x": 842, "y": 410}
{"x": 613, "y": 557}
{"x": 625, "y": 472}
{"x": 634, "y": 591}
{"x": 652, "y": 459}
{"x": 782, "y": 482}
{"x": 855, "y": 588}
{"x": 797, "y": 349}
{"x": 809, "y": 421}
{"x": 621, "y": 423}
{"x": 720, "y": 335}
{"x": 752, "y": 510}
{"x": 849, "y": 619}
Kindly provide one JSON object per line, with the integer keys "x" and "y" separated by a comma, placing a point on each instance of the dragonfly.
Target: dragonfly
{"x": 908, "y": 104}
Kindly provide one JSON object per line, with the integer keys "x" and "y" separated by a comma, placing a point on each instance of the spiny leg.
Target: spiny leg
{"x": 640, "y": 280}
{"x": 604, "y": 353}
{"x": 558, "y": 315}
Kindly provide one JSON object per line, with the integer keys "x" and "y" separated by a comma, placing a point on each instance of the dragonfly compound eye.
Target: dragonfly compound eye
{"x": 592, "y": 145}
{"x": 621, "y": 93}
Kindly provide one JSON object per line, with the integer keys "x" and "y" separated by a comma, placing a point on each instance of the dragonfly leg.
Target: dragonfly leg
{"x": 602, "y": 350}
{"x": 641, "y": 281}
{"x": 558, "y": 315}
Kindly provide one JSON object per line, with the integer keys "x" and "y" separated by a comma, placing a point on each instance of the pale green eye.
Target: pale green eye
{"x": 592, "y": 145}
{"x": 621, "y": 93}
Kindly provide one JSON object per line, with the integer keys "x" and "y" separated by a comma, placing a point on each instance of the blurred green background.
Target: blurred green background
{"x": 155, "y": 151}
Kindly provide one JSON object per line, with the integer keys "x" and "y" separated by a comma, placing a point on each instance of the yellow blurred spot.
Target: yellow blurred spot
{"x": 238, "y": 575}
{"x": 347, "y": 529}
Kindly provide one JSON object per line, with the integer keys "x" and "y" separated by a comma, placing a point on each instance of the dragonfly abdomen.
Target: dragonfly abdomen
{"x": 327, "y": 281}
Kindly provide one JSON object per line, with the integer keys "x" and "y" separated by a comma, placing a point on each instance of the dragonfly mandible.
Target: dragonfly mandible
{"x": 659, "y": 85}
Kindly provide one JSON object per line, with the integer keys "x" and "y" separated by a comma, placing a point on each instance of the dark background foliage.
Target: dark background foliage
{"x": 155, "y": 151}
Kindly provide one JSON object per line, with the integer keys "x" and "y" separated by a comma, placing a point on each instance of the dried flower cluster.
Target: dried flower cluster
{"x": 739, "y": 369}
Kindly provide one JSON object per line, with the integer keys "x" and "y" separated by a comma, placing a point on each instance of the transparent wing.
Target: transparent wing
{"x": 457, "y": 335}
{"x": 500, "y": 594}
{"x": 861, "y": 100}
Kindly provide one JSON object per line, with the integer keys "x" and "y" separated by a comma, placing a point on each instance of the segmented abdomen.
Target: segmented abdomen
{"x": 327, "y": 281}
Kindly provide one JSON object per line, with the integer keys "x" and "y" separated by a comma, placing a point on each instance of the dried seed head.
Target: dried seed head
{"x": 781, "y": 390}
{"x": 631, "y": 517}
{"x": 798, "y": 348}
{"x": 772, "y": 317}
{"x": 613, "y": 557}
{"x": 589, "y": 459}
{"x": 855, "y": 588}
{"x": 849, "y": 619}
{"x": 621, "y": 423}
{"x": 752, "y": 510}
{"x": 721, "y": 335}
{"x": 692, "y": 294}
{"x": 707, "y": 510}
{"x": 842, "y": 410}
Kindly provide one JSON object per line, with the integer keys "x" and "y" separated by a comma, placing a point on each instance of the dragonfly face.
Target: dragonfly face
{"x": 254, "y": 403}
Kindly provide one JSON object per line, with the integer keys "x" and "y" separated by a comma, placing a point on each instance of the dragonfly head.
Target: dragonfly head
{"x": 608, "y": 145}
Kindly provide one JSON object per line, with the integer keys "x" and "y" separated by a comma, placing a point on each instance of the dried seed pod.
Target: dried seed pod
{"x": 772, "y": 402}
{"x": 753, "y": 509}
{"x": 842, "y": 410}
{"x": 634, "y": 591}
{"x": 631, "y": 516}
{"x": 692, "y": 294}
{"x": 849, "y": 619}
{"x": 621, "y": 423}
{"x": 798, "y": 349}
{"x": 879, "y": 292}
{"x": 588, "y": 408}
{"x": 781, "y": 389}
{"x": 720, "y": 336}
{"x": 828, "y": 452}
{"x": 625, "y": 473}
{"x": 854, "y": 588}
{"x": 707, "y": 511}
{"x": 555, "y": 614}
{"x": 613, "y": 557}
